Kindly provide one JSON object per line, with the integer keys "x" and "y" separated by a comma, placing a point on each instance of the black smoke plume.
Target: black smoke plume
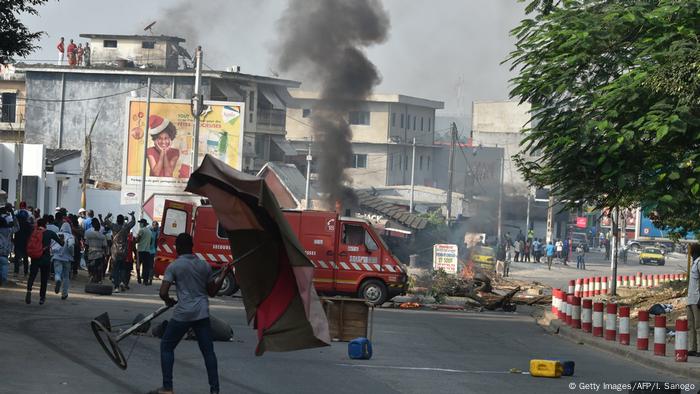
{"x": 326, "y": 40}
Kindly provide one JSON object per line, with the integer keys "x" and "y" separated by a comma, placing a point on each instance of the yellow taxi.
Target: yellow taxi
{"x": 652, "y": 256}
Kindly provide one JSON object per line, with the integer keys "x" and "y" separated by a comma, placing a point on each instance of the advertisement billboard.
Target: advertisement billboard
{"x": 169, "y": 135}
{"x": 445, "y": 258}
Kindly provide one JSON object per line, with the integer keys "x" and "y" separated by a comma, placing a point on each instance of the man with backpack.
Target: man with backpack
{"x": 120, "y": 234}
{"x": 38, "y": 249}
{"x": 62, "y": 256}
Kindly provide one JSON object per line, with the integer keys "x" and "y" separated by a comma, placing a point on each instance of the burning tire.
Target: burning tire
{"x": 374, "y": 291}
{"x": 229, "y": 287}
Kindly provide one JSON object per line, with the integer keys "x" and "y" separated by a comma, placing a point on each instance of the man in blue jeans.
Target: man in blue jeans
{"x": 195, "y": 282}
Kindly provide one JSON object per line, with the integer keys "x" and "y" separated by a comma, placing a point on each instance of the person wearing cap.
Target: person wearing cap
{"x": 81, "y": 217}
{"x": 143, "y": 247}
{"x": 162, "y": 156}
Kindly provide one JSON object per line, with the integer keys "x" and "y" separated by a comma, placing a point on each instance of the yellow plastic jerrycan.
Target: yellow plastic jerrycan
{"x": 546, "y": 368}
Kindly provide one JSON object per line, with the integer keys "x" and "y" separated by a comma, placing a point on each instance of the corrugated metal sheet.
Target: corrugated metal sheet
{"x": 395, "y": 212}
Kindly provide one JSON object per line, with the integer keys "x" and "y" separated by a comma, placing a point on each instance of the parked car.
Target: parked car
{"x": 652, "y": 256}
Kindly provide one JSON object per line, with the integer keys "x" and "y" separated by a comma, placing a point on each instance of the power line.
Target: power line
{"x": 79, "y": 99}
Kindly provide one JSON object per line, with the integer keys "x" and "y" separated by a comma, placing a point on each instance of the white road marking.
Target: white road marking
{"x": 421, "y": 369}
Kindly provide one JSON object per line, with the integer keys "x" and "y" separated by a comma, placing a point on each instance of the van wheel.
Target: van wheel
{"x": 229, "y": 287}
{"x": 374, "y": 291}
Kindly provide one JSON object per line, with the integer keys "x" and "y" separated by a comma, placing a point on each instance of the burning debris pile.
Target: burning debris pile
{"x": 474, "y": 289}
{"x": 325, "y": 40}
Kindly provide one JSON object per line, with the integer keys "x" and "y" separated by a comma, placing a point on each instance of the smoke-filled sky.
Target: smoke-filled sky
{"x": 435, "y": 48}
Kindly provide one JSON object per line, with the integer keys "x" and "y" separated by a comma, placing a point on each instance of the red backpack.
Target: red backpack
{"x": 35, "y": 244}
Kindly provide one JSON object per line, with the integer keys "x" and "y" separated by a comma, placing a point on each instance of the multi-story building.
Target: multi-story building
{"x": 12, "y": 104}
{"x": 62, "y": 100}
{"x": 383, "y": 128}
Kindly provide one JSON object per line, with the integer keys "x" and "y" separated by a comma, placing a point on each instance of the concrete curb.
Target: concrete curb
{"x": 666, "y": 364}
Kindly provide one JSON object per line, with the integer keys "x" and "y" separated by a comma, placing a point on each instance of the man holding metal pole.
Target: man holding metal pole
{"x": 195, "y": 282}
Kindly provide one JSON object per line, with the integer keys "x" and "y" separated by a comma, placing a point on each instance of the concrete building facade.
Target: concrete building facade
{"x": 12, "y": 104}
{"x": 383, "y": 128}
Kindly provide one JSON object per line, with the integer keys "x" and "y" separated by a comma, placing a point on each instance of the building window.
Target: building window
{"x": 428, "y": 124}
{"x": 359, "y": 117}
{"x": 109, "y": 43}
{"x": 391, "y": 162}
{"x": 402, "y": 121}
{"x": 400, "y": 162}
{"x": 8, "y": 105}
{"x": 428, "y": 163}
{"x": 420, "y": 165}
{"x": 414, "y": 122}
{"x": 421, "y": 123}
{"x": 306, "y": 112}
{"x": 393, "y": 119}
{"x": 147, "y": 44}
{"x": 359, "y": 161}
{"x": 405, "y": 163}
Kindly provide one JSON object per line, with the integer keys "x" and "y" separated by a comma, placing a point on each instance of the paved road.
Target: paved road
{"x": 50, "y": 349}
{"x": 596, "y": 265}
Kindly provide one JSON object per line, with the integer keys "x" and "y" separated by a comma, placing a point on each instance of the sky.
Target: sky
{"x": 446, "y": 50}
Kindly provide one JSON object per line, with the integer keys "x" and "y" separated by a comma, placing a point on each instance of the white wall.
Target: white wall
{"x": 9, "y": 168}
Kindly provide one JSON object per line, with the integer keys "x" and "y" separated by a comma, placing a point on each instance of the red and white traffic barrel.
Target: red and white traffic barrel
{"x": 660, "y": 335}
{"x": 610, "y": 321}
{"x": 596, "y": 288}
{"x": 586, "y": 287}
{"x": 627, "y": 281}
{"x": 578, "y": 287}
{"x": 619, "y": 281}
{"x": 568, "y": 309}
{"x": 604, "y": 285}
{"x": 624, "y": 312}
{"x": 638, "y": 279}
{"x": 667, "y": 278}
{"x": 554, "y": 301}
{"x": 575, "y": 312}
{"x": 586, "y": 315}
{"x": 644, "y": 281}
{"x": 656, "y": 280}
{"x": 561, "y": 313}
{"x": 681, "y": 340}
{"x": 572, "y": 287}
{"x": 643, "y": 330}
{"x": 597, "y": 319}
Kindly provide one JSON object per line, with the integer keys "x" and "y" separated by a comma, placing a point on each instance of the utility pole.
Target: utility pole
{"x": 307, "y": 205}
{"x": 527, "y": 218}
{"x": 197, "y": 105}
{"x": 145, "y": 148}
{"x": 499, "y": 225}
{"x": 451, "y": 164}
{"x": 550, "y": 217}
{"x": 413, "y": 176}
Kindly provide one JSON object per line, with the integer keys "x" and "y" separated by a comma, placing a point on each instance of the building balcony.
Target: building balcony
{"x": 272, "y": 119}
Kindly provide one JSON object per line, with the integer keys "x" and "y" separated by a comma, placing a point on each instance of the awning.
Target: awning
{"x": 284, "y": 145}
{"x": 271, "y": 96}
{"x": 231, "y": 92}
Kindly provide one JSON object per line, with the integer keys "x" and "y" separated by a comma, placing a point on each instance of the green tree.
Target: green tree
{"x": 614, "y": 93}
{"x": 15, "y": 37}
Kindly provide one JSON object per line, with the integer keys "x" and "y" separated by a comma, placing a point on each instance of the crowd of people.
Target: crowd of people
{"x": 77, "y": 55}
{"x": 57, "y": 246}
{"x": 528, "y": 249}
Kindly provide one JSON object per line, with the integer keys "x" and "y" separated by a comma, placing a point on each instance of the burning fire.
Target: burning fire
{"x": 468, "y": 271}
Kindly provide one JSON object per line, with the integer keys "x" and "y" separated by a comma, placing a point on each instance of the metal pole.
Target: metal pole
{"x": 197, "y": 106}
{"x": 613, "y": 251}
{"x": 527, "y": 218}
{"x": 142, "y": 200}
{"x": 550, "y": 217}
{"x": 499, "y": 225}
{"x": 451, "y": 164}
{"x": 308, "y": 177}
{"x": 413, "y": 176}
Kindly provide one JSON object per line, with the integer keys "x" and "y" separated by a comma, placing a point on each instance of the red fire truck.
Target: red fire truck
{"x": 348, "y": 255}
